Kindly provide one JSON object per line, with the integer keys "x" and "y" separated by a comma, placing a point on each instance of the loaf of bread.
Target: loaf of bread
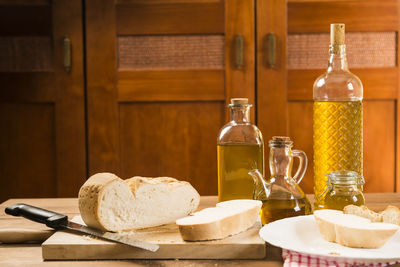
{"x": 226, "y": 219}
{"x": 351, "y": 230}
{"x": 390, "y": 215}
{"x": 161, "y": 200}
{"x": 109, "y": 203}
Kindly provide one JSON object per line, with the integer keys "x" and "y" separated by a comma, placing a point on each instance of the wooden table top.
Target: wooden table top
{"x": 30, "y": 254}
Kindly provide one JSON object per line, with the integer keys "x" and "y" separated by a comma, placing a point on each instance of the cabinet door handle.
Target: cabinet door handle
{"x": 238, "y": 51}
{"x": 271, "y": 39}
{"x": 67, "y": 54}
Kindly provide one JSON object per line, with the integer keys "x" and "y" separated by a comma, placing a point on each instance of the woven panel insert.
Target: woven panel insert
{"x": 19, "y": 54}
{"x": 171, "y": 52}
{"x": 364, "y": 50}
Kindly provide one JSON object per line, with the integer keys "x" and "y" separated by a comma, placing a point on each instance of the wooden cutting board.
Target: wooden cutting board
{"x": 64, "y": 245}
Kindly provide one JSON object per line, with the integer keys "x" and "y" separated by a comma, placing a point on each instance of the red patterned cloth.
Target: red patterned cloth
{"x": 295, "y": 259}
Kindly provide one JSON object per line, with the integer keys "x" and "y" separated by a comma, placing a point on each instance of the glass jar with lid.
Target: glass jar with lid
{"x": 344, "y": 188}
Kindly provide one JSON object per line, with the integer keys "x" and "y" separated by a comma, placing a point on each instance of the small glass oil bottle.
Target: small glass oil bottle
{"x": 344, "y": 188}
{"x": 240, "y": 149}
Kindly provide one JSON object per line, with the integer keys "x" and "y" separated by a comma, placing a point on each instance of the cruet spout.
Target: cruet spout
{"x": 262, "y": 188}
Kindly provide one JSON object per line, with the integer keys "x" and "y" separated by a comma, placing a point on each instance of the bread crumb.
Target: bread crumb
{"x": 334, "y": 253}
{"x": 88, "y": 237}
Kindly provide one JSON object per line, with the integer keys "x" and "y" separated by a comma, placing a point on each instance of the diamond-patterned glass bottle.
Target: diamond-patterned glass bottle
{"x": 337, "y": 118}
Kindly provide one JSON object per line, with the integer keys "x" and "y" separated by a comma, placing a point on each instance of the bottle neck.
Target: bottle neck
{"x": 280, "y": 161}
{"x": 337, "y": 58}
{"x": 240, "y": 113}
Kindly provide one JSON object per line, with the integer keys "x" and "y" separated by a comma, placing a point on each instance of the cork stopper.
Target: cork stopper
{"x": 337, "y": 34}
{"x": 239, "y": 101}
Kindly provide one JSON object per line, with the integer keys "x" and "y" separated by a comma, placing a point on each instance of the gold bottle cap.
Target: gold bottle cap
{"x": 239, "y": 101}
{"x": 337, "y": 34}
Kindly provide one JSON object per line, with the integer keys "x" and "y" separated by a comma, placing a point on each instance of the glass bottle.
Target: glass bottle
{"x": 337, "y": 118}
{"x": 240, "y": 149}
{"x": 281, "y": 194}
{"x": 344, "y": 189}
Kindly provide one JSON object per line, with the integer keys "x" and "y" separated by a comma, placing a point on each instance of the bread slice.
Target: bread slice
{"x": 363, "y": 211}
{"x": 226, "y": 219}
{"x": 161, "y": 200}
{"x": 351, "y": 230}
{"x": 364, "y": 235}
{"x": 109, "y": 203}
{"x": 326, "y": 220}
{"x": 391, "y": 215}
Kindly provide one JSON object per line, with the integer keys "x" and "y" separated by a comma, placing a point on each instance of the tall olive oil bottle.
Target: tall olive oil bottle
{"x": 240, "y": 149}
{"x": 337, "y": 118}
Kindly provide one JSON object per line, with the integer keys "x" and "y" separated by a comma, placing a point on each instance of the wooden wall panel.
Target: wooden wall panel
{"x": 379, "y": 146}
{"x": 28, "y": 87}
{"x": 45, "y": 103}
{"x": 272, "y": 106}
{"x": 26, "y": 54}
{"x": 363, "y": 49}
{"x": 70, "y": 100}
{"x": 28, "y": 155}
{"x": 163, "y": 17}
{"x": 300, "y": 131}
{"x": 240, "y": 81}
{"x": 171, "y": 85}
{"x": 155, "y": 105}
{"x": 358, "y": 15}
{"x": 28, "y": 20}
{"x": 168, "y": 52}
{"x": 102, "y": 105}
{"x": 172, "y": 139}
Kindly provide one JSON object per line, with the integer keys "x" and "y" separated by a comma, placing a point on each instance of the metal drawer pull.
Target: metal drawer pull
{"x": 239, "y": 51}
{"x": 67, "y": 54}
{"x": 271, "y": 38}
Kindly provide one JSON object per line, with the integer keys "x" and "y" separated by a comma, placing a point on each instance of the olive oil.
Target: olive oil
{"x": 339, "y": 201}
{"x": 276, "y": 209}
{"x": 337, "y": 141}
{"x": 234, "y": 163}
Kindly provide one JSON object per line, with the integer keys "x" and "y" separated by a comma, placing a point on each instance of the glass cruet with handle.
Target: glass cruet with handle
{"x": 281, "y": 195}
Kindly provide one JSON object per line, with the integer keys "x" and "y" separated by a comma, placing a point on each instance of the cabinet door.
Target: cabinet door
{"x": 42, "y": 137}
{"x": 159, "y": 75}
{"x": 285, "y": 90}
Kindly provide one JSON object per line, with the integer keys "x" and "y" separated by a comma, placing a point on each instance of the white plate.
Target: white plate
{"x": 301, "y": 234}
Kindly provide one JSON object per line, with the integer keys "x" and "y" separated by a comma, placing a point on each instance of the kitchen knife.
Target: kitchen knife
{"x": 60, "y": 222}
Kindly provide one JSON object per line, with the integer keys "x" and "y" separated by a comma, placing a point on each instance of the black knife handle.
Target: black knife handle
{"x": 51, "y": 219}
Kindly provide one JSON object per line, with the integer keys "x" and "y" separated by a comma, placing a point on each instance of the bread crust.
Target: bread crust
{"x": 153, "y": 211}
{"x": 218, "y": 229}
{"x": 363, "y": 211}
{"x": 390, "y": 215}
{"x": 363, "y": 238}
{"x": 352, "y": 230}
{"x": 137, "y": 181}
{"x": 89, "y": 197}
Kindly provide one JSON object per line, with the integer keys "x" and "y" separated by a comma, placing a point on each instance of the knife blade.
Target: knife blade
{"x": 60, "y": 222}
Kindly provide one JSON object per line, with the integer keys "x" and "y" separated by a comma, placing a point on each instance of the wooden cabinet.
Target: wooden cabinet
{"x": 159, "y": 75}
{"x": 150, "y": 80}
{"x": 42, "y": 120}
{"x": 285, "y": 91}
